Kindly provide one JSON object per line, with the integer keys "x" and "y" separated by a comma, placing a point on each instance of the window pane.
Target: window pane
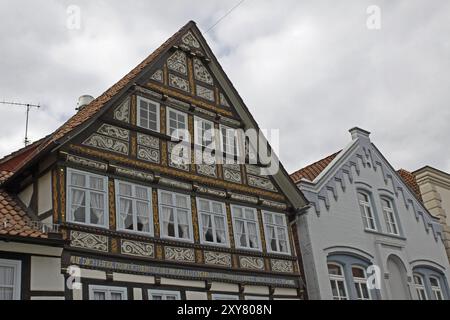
{"x": 334, "y": 269}
{"x": 434, "y": 282}
{"x": 6, "y": 276}
{"x": 362, "y": 197}
{"x": 166, "y": 198}
{"x": 182, "y": 201}
{"x": 99, "y": 295}
{"x": 125, "y": 189}
{"x": 116, "y": 296}
{"x": 358, "y": 273}
{"x": 96, "y": 183}
{"x": 77, "y": 179}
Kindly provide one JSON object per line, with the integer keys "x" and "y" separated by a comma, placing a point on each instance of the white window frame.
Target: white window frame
{"x": 161, "y": 221}
{"x": 163, "y": 294}
{"x": 87, "y": 199}
{"x": 359, "y": 282}
{"x": 276, "y": 226}
{"x": 220, "y": 296}
{"x": 338, "y": 278}
{"x": 168, "y": 128}
{"x": 108, "y": 290}
{"x": 158, "y": 115}
{"x": 389, "y": 217}
{"x": 134, "y": 201}
{"x": 246, "y": 221}
{"x": 17, "y": 266}
{"x": 200, "y": 140}
{"x": 368, "y": 214}
{"x": 437, "y": 289}
{"x": 236, "y": 140}
{"x": 420, "y": 287}
{"x": 212, "y": 215}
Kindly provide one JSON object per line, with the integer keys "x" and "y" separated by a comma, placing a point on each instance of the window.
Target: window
{"x": 360, "y": 280}
{"x": 175, "y": 215}
{"x": 212, "y": 222}
{"x": 276, "y": 232}
{"x": 163, "y": 295}
{"x": 224, "y": 297}
{"x": 88, "y": 198}
{"x": 366, "y": 211}
{"x": 107, "y": 293}
{"x": 246, "y": 228}
{"x": 176, "y": 123}
{"x": 10, "y": 276}
{"x": 389, "y": 216}
{"x": 204, "y": 132}
{"x": 436, "y": 288}
{"x": 148, "y": 114}
{"x": 134, "y": 208}
{"x": 229, "y": 140}
{"x": 337, "y": 281}
{"x": 420, "y": 287}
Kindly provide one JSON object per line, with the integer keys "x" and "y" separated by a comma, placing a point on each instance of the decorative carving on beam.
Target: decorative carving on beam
{"x": 88, "y": 241}
{"x": 137, "y": 249}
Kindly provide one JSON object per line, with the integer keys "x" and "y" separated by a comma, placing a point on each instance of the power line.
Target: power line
{"x": 224, "y": 16}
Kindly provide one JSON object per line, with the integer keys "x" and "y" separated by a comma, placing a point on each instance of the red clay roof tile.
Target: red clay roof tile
{"x": 15, "y": 222}
{"x": 312, "y": 171}
{"x": 411, "y": 182}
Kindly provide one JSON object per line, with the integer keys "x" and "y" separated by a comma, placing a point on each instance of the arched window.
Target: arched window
{"x": 360, "y": 281}
{"x": 366, "y": 211}
{"x": 436, "y": 288}
{"x": 337, "y": 281}
{"x": 420, "y": 287}
{"x": 389, "y": 216}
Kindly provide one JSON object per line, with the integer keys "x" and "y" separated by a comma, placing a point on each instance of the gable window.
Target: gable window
{"x": 204, "y": 132}
{"x": 360, "y": 280}
{"x": 176, "y": 124}
{"x": 420, "y": 287}
{"x": 107, "y": 293}
{"x": 163, "y": 295}
{"x": 436, "y": 288}
{"x": 246, "y": 228}
{"x": 88, "y": 198}
{"x": 337, "y": 281}
{"x": 10, "y": 276}
{"x": 276, "y": 232}
{"x": 366, "y": 211}
{"x": 389, "y": 216}
{"x": 229, "y": 140}
{"x": 148, "y": 114}
{"x": 134, "y": 208}
{"x": 175, "y": 215}
{"x": 213, "y": 222}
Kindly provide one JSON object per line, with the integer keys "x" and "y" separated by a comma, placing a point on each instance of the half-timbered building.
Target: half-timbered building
{"x": 137, "y": 222}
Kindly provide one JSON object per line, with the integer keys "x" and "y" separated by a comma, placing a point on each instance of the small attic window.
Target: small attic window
{"x": 148, "y": 114}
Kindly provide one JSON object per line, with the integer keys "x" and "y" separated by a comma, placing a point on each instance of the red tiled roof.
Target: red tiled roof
{"x": 5, "y": 175}
{"x": 411, "y": 182}
{"x": 14, "y": 221}
{"x": 95, "y": 106}
{"x": 313, "y": 170}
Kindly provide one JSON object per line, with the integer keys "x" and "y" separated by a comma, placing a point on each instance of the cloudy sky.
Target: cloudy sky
{"x": 311, "y": 68}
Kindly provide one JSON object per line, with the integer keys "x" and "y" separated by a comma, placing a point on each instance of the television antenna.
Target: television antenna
{"x": 28, "y": 106}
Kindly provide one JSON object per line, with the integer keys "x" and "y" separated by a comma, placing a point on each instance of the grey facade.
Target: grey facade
{"x": 340, "y": 245}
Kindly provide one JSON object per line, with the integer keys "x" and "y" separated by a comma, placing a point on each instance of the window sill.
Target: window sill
{"x": 390, "y": 235}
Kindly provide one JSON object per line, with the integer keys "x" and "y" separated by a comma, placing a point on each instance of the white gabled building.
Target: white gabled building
{"x": 363, "y": 214}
